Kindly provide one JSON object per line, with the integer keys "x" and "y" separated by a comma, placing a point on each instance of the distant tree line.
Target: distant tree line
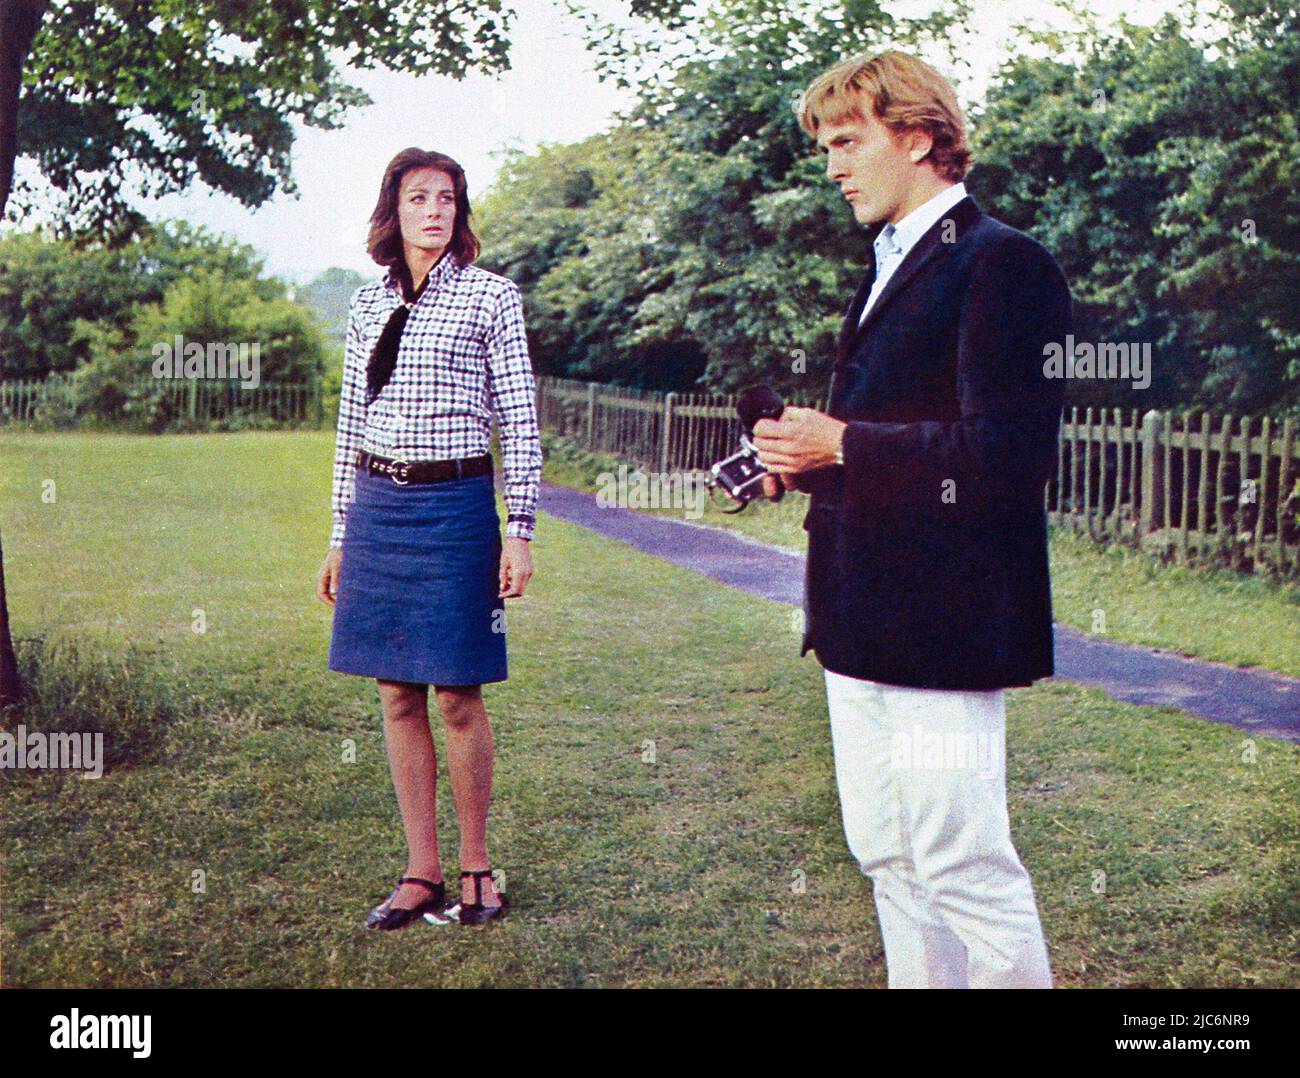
{"x": 98, "y": 313}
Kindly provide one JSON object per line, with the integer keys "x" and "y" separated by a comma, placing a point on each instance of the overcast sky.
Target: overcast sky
{"x": 551, "y": 94}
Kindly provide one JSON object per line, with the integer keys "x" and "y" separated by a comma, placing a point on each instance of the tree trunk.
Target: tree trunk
{"x": 19, "y": 20}
{"x": 11, "y": 685}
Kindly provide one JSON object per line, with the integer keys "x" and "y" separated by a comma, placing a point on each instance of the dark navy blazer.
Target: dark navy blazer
{"x": 927, "y": 550}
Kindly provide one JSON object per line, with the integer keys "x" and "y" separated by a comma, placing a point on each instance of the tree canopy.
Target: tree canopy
{"x": 1162, "y": 169}
{"x": 143, "y": 97}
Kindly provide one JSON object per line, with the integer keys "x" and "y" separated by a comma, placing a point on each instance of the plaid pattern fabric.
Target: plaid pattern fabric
{"x": 463, "y": 358}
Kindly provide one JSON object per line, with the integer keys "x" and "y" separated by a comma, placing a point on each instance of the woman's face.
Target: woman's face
{"x": 426, "y": 209}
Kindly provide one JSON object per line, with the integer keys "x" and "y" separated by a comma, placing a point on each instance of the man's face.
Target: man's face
{"x": 426, "y": 208}
{"x": 872, "y": 167}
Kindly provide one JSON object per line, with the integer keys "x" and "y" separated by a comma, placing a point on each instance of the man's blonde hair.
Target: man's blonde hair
{"x": 902, "y": 93}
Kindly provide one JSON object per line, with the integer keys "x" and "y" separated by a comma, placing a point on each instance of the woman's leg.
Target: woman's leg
{"x": 414, "y": 764}
{"x": 469, "y": 754}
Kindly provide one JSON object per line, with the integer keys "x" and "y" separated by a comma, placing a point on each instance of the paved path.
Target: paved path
{"x": 1253, "y": 700}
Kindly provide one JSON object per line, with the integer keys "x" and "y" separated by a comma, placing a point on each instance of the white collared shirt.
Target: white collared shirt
{"x": 894, "y": 241}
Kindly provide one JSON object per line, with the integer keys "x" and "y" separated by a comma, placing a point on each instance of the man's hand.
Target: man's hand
{"x": 516, "y": 566}
{"x": 802, "y": 440}
{"x": 327, "y": 580}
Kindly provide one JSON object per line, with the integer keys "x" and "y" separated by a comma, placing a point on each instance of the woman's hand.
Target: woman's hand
{"x": 327, "y": 583}
{"x": 516, "y": 566}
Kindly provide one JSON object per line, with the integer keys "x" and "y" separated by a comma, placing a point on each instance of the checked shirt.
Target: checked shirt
{"x": 463, "y": 358}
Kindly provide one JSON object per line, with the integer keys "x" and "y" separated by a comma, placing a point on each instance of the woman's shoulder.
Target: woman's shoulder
{"x": 480, "y": 279}
{"x": 369, "y": 292}
{"x": 365, "y": 304}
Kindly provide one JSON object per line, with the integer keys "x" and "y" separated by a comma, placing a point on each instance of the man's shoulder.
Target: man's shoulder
{"x": 1001, "y": 260}
{"x": 992, "y": 239}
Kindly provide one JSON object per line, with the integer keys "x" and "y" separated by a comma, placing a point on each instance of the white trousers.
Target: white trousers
{"x": 922, "y": 782}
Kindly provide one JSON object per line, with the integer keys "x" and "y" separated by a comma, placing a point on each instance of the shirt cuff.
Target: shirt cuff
{"x": 519, "y": 526}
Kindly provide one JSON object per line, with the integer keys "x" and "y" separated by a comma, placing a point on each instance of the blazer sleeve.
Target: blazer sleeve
{"x": 1002, "y": 451}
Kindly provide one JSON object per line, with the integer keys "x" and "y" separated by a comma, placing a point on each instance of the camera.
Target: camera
{"x": 740, "y": 476}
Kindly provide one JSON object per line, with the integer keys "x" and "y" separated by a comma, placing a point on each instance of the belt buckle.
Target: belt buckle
{"x": 404, "y": 466}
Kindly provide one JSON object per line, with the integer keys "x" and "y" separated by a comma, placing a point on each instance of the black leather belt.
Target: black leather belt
{"x": 424, "y": 471}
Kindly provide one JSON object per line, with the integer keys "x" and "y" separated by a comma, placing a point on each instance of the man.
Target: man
{"x": 927, "y": 591}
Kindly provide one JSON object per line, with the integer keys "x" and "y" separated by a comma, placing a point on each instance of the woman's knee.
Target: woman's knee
{"x": 461, "y": 705}
{"x": 403, "y": 701}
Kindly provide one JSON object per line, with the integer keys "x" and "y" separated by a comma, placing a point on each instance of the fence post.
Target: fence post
{"x": 1284, "y": 489}
{"x": 591, "y": 415}
{"x": 1152, "y": 490}
{"x": 667, "y": 433}
{"x": 1261, "y": 494}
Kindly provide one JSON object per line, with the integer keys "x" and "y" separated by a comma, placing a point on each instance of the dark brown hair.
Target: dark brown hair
{"x": 384, "y": 243}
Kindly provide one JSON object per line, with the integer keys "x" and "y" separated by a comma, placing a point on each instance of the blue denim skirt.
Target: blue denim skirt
{"x": 417, "y": 592}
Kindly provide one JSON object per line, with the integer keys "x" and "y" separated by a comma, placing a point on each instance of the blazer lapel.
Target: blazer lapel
{"x": 852, "y": 315}
{"x": 928, "y": 247}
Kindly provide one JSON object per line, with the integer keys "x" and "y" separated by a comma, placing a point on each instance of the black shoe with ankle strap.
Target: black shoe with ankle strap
{"x": 386, "y": 916}
{"x": 475, "y": 913}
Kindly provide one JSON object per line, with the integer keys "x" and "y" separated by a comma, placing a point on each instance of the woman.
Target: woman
{"x": 417, "y": 570}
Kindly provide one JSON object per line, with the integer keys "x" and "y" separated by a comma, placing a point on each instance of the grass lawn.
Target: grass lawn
{"x": 664, "y": 811}
{"x": 1219, "y": 615}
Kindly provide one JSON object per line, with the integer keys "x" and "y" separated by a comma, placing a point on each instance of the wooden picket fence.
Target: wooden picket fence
{"x": 665, "y": 431}
{"x": 1190, "y": 487}
{"x": 199, "y": 400}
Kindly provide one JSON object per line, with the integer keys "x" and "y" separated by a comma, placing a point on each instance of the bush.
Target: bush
{"x": 568, "y": 458}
